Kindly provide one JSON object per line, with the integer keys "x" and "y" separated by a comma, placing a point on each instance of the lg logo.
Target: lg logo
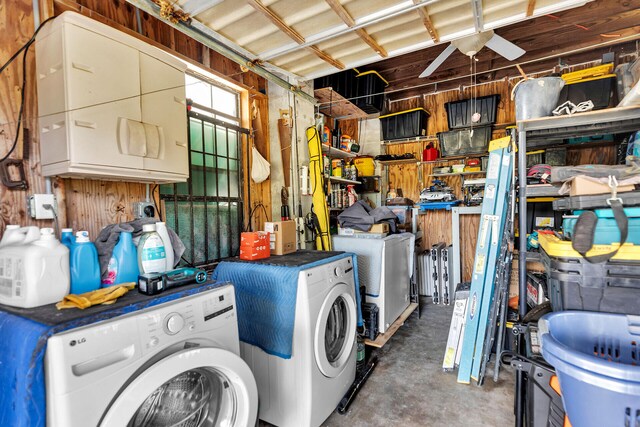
{"x": 72, "y": 343}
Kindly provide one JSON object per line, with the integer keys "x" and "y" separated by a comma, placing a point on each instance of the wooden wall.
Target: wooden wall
{"x": 412, "y": 178}
{"x": 92, "y": 204}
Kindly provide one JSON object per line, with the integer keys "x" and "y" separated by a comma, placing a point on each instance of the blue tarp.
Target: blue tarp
{"x": 266, "y": 299}
{"x": 24, "y": 342}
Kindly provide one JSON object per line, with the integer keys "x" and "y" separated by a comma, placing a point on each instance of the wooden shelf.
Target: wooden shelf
{"x": 452, "y": 158}
{"x": 335, "y": 153}
{"x": 383, "y": 338}
{"x": 335, "y": 105}
{"x": 398, "y": 162}
{"x": 457, "y": 174}
{"x": 343, "y": 180}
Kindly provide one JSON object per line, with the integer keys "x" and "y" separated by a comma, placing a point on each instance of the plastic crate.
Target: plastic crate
{"x": 461, "y": 142}
{"x": 576, "y": 284}
{"x": 589, "y": 139}
{"x": 459, "y": 112}
{"x": 600, "y": 90}
{"x": 607, "y": 230}
{"x": 344, "y": 83}
{"x": 370, "y": 88}
{"x": 596, "y": 357}
{"x": 404, "y": 124}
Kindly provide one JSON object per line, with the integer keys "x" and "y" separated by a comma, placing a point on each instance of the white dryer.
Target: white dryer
{"x": 384, "y": 268}
{"x": 304, "y": 390}
{"x": 173, "y": 364}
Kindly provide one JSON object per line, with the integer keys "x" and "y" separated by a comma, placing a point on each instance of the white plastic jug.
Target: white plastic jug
{"x": 34, "y": 273}
{"x": 161, "y": 229}
{"x": 14, "y": 234}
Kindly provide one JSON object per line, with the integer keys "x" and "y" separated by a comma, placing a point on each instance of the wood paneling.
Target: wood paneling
{"x": 92, "y": 204}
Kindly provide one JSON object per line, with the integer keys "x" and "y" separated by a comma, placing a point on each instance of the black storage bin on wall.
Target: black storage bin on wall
{"x": 343, "y": 83}
{"x": 404, "y": 124}
{"x": 459, "y": 112}
{"x": 461, "y": 142}
{"x": 370, "y": 88}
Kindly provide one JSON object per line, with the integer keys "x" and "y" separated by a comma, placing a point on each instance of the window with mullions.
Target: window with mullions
{"x": 206, "y": 211}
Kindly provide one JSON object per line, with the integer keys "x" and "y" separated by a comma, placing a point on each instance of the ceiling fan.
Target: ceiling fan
{"x": 470, "y": 45}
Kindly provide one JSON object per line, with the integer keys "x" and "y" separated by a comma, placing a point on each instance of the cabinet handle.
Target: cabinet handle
{"x": 82, "y": 67}
{"x": 83, "y": 124}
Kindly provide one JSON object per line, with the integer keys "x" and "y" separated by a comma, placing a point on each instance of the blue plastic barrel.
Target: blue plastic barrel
{"x": 596, "y": 356}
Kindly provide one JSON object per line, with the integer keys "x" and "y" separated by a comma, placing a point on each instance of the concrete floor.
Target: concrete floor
{"x": 409, "y": 388}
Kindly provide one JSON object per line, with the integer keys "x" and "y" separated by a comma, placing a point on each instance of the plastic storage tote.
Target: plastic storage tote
{"x": 600, "y": 90}
{"x": 461, "y": 142}
{"x": 576, "y": 284}
{"x": 459, "y": 112}
{"x": 596, "y": 356}
{"x": 370, "y": 88}
{"x": 404, "y": 124}
{"x": 607, "y": 230}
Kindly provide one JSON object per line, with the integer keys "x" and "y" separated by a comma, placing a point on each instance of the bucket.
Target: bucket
{"x": 596, "y": 358}
{"x": 536, "y": 97}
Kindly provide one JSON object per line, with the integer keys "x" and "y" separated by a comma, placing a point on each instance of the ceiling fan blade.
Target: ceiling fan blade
{"x": 504, "y": 47}
{"x": 438, "y": 61}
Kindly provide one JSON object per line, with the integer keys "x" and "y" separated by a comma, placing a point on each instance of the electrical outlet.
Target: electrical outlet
{"x": 36, "y": 205}
{"x": 144, "y": 209}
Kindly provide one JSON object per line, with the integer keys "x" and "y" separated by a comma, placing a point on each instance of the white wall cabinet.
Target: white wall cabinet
{"x": 111, "y": 106}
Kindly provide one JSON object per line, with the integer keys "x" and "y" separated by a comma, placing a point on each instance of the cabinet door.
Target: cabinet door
{"x": 98, "y": 69}
{"x": 164, "y": 105}
{"x": 102, "y": 135}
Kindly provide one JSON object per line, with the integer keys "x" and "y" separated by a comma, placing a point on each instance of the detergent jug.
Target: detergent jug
{"x": 152, "y": 257}
{"x": 66, "y": 237}
{"x": 84, "y": 265}
{"x": 161, "y": 229}
{"x": 123, "y": 265}
{"x": 34, "y": 272}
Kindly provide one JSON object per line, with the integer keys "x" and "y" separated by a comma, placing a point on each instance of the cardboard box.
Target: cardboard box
{"x": 254, "y": 245}
{"x": 581, "y": 186}
{"x": 282, "y": 236}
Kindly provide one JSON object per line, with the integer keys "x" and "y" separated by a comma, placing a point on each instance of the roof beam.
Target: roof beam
{"x": 361, "y": 32}
{"x": 531, "y": 6}
{"x": 426, "y": 20}
{"x": 478, "y": 18}
{"x": 297, "y": 37}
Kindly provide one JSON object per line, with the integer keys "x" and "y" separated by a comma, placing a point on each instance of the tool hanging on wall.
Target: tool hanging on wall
{"x": 319, "y": 198}
{"x": 284, "y": 135}
{"x": 285, "y": 214}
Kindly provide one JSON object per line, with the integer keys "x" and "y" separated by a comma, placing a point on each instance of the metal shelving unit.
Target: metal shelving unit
{"x": 545, "y": 132}
{"x": 335, "y": 153}
{"x": 343, "y": 180}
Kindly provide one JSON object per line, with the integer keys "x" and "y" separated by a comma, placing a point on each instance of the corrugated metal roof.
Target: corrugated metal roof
{"x": 309, "y": 38}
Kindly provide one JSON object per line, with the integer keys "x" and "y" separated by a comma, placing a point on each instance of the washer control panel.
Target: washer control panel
{"x": 179, "y": 320}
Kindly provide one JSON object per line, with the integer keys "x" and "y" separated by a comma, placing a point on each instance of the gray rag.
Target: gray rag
{"x": 361, "y": 217}
{"x": 108, "y": 238}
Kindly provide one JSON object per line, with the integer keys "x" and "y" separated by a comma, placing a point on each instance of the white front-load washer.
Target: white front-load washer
{"x": 175, "y": 364}
{"x": 304, "y": 390}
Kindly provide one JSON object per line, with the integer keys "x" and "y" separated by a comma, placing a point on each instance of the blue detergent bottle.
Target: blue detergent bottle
{"x": 66, "y": 237}
{"x": 84, "y": 265}
{"x": 123, "y": 265}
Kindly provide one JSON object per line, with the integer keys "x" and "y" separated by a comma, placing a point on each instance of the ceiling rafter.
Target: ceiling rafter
{"x": 478, "y": 17}
{"x": 297, "y": 37}
{"x": 531, "y": 6}
{"x": 426, "y": 21}
{"x": 361, "y": 32}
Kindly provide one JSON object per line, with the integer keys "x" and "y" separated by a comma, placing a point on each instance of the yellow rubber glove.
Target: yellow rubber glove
{"x": 99, "y": 296}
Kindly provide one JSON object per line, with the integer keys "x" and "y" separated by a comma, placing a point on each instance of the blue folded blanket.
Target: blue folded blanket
{"x": 266, "y": 299}
{"x": 24, "y": 343}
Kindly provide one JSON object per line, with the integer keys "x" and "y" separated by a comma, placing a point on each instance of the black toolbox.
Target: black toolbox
{"x": 600, "y": 90}
{"x": 576, "y": 284}
{"x": 404, "y": 124}
{"x": 459, "y": 112}
{"x": 462, "y": 141}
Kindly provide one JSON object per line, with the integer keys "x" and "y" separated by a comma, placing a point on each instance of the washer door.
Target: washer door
{"x": 193, "y": 387}
{"x": 335, "y": 330}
